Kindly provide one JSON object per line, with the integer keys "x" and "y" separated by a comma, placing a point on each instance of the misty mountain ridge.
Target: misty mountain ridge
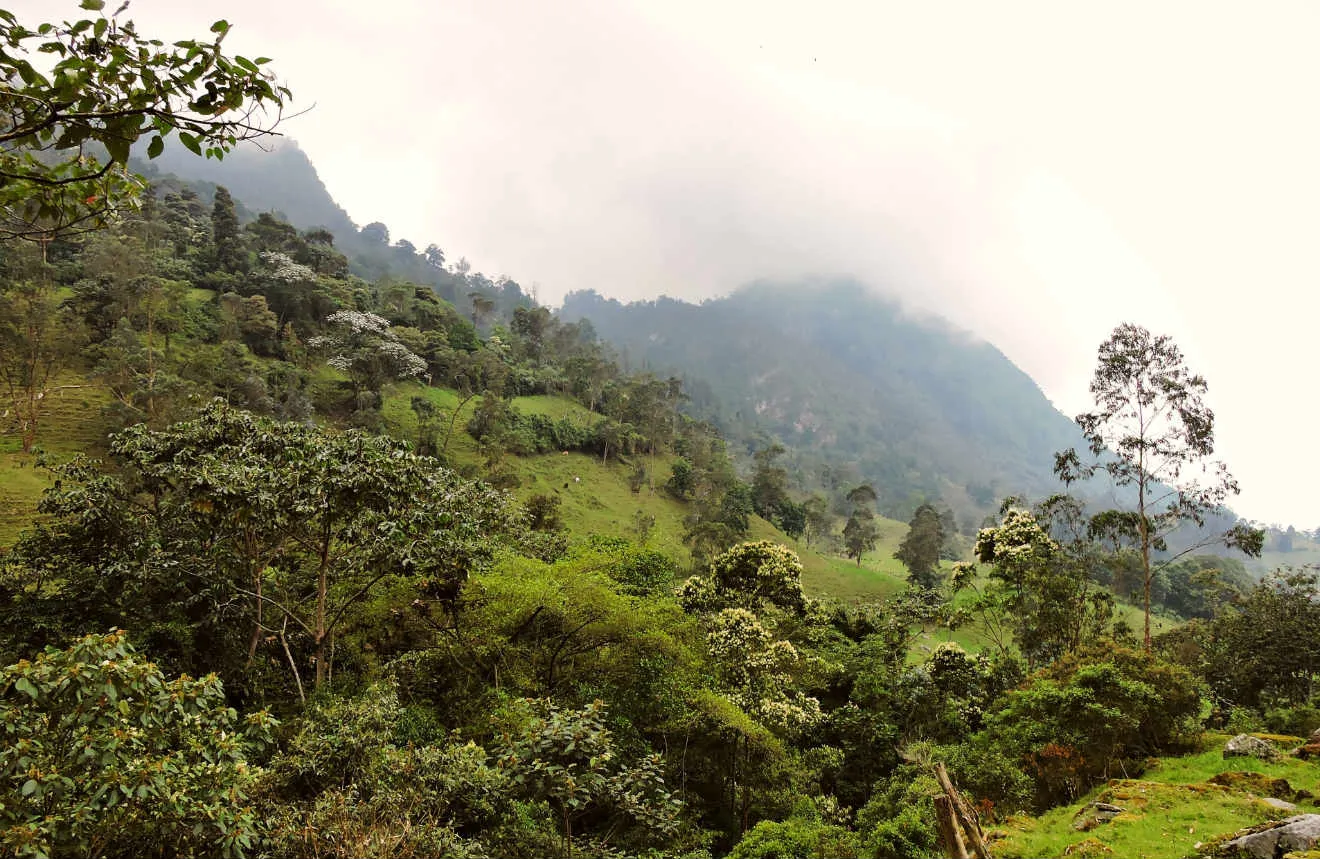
{"x": 850, "y": 379}
{"x": 278, "y": 177}
{"x": 858, "y": 386}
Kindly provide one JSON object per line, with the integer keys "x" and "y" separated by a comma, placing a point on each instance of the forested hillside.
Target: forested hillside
{"x": 852, "y": 382}
{"x": 315, "y": 545}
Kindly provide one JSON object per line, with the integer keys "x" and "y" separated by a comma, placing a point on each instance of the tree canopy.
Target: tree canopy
{"x": 1151, "y": 427}
{"x": 67, "y": 126}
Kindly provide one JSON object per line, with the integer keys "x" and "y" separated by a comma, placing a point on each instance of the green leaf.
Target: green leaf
{"x": 155, "y": 147}
{"x": 190, "y": 141}
{"x": 117, "y": 147}
{"x": 25, "y": 686}
{"x": 29, "y": 787}
{"x": 221, "y": 26}
{"x": 92, "y": 5}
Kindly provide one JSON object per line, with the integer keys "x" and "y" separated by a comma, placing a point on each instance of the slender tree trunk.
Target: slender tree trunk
{"x": 747, "y": 785}
{"x": 293, "y": 664}
{"x": 1145, "y": 554}
{"x": 256, "y": 627}
{"x": 322, "y": 590}
{"x": 257, "y": 581}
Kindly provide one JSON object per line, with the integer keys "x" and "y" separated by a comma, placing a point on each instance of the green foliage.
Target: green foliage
{"x": 102, "y": 755}
{"x": 569, "y": 759}
{"x": 39, "y": 339}
{"x": 797, "y": 839}
{"x": 567, "y": 630}
{"x": 230, "y": 256}
{"x": 350, "y": 782}
{"x": 899, "y": 820}
{"x": 363, "y": 346}
{"x": 543, "y": 513}
{"x": 1038, "y": 590}
{"x": 1149, "y": 425}
{"x": 769, "y": 489}
{"x": 258, "y": 531}
{"x": 107, "y": 88}
{"x": 1090, "y": 715}
{"x": 860, "y": 533}
{"x": 1265, "y": 649}
{"x": 922, "y": 546}
{"x": 425, "y": 604}
{"x": 680, "y": 479}
{"x": 749, "y": 576}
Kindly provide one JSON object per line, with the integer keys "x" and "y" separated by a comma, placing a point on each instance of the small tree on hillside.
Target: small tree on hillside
{"x": 860, "y": 533}
{"x": 920, "y": 549}
{"x": 230, "y": 255}
{"x": 1150, "y": 428}
{"x": 363, "y": 346}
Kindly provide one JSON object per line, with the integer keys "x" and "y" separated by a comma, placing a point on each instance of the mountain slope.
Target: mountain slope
{"x": 280, "y": 179}
{"x": 848, "y": 378}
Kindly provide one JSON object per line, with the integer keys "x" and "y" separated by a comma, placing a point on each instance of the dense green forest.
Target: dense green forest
{"x": 314, "y": 544}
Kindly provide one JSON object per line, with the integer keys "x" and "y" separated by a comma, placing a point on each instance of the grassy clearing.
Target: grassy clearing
{"x": 73, "y": 424}
{"x": 595, "y": 497}
{"x": 1167, "y": 813}
{"x": 1191, "y": 769}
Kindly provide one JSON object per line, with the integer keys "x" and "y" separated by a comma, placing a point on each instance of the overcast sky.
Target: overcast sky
{"x": 1035, "y": 172}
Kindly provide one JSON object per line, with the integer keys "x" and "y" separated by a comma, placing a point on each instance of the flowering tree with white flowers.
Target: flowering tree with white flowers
{"x": 364, "y": 347}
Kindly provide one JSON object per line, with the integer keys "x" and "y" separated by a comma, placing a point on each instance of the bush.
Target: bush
{"x": 102, "y": 755}
{"x": 797, "y": 839}
{"x": 1090, "y": 713}
{"x": 1297, "y": 721}
{"x": 349, "y": 785}
{"x": 899, "y": 820}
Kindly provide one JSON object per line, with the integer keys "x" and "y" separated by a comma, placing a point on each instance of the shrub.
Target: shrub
{"x": 348, "y": 785}
{"x": 102, "y": 755}
{"x": 796, "y": 839}
{"x": 1092, "y": 712}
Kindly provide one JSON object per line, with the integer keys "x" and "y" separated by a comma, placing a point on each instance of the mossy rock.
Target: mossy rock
{"x": 1260, "y": 784}
{"x": 1284, "y": 740}
{"x": 1088, "y": 848}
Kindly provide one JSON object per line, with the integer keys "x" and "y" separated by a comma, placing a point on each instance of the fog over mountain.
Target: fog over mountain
{"x": 1033, "y": 172}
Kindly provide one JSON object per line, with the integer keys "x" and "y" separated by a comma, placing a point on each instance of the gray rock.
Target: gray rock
{"x": 1247, "y": 746}
{"x": 1281, "y": 804}
{"x": 1093, "y": 814}
{"x": 1301, "y": 832}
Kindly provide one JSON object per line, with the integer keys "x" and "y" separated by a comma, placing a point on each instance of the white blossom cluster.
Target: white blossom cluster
{"x": 407, "y": 364}
{"x": 759, "y": 669}
{"x": 283, "y": 268}
{"x": 1018, "y": 539}
{"x": 358, "y": 322}
{"x": 365, "y": 337}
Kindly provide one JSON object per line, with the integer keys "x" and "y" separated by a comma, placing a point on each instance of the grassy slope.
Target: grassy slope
{"x": 1167, "y": 812}
{"x": 73, "y": 424}
{"x": 595, "y": 498}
